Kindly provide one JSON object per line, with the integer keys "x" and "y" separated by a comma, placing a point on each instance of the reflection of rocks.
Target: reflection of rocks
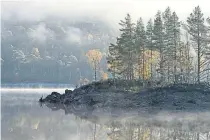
{"x": 91, "y": 101}
{"x": 191, "y": 122}
{"x": 82, "y": 111}
{"x": 30, "y": 122}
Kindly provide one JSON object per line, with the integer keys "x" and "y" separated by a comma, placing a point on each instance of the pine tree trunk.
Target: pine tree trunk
{"x": 132, "y": 73}
{"x": 175, "y": 58}
{"x": 151, "y": 64}
{"x": 198, "y": 74}
{"x": 175, "y": 67}
{"x": 161, "y": 66}
{"x": 139, "y": 66}
{"x": 143, "y": 65}
{"x": 95, "y": 71}
{"x": 199, "y": 51}
{"x": 188, "y": 63}
{"x": 168, "y": 72}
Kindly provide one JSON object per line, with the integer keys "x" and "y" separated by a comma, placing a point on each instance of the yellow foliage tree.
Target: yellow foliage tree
{"x": 94, "y": 58}
{"x": 144, "y": 69}
{"x": 104, "y": 75}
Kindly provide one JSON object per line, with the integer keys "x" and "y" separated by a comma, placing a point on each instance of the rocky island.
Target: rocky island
{"x": 131, "y": 95}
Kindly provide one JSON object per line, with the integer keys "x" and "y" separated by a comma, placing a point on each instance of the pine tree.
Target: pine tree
{"x": 140, "y": 43}
{"x": 114, "y": 61}
{"x": 121, "y": 56}
{"x": 126, "y": 44}
{"x": 197, "y": 29}
{"x": 158, "y": 36}
{"x": 168, "y": 38}
{"x": 188, "y": 59}
{"x": 149, "y": 43}
{"x": 175, "y": 41}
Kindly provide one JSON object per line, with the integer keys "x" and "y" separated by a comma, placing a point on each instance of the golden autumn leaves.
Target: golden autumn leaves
{"x": 94, "y": 58}
{"x": 143, "y": 70}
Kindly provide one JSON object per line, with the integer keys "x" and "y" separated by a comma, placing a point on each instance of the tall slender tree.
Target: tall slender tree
{"x": 175, "y": 41}
{"x": 158, "y": 41}
{"x": 114, "y": 60}
{"x": 168, "y": 37}
{"x": 197, "y": 29}
{"x": 121, "y": 56}
{"x": 140, "y": 43}
{"x": 126, "y": 43}
{"x": 150, "y": 44}
{"x": 188, "y": 58}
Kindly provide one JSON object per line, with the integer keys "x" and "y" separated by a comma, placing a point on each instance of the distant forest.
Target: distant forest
{"x": 63, "y": 51}
{"x": 52, "y": 50}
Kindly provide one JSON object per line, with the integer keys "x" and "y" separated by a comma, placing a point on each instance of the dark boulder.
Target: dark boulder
{"x": 67, "y": 95}
{"x": 41, "y": 99}
{"x": 55, "y": 94}
{"x": 54, "y": 97}
{"x": 191, "y": 101}
{"x": 67, "y": 91}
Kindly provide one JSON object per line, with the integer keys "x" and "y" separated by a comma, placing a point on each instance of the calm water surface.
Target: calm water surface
{"x": 23, "y": 118}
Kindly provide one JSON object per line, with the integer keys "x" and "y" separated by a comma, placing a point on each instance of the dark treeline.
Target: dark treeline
{"x": 165, "y": 49}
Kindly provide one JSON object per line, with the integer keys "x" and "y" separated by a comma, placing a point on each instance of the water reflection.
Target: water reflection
{"x": 24, "y": 119}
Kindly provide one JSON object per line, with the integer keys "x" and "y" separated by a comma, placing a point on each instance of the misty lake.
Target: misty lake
{"x": 24, "y": 119}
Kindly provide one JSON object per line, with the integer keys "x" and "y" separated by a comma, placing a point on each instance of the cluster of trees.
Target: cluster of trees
{"x": 166, "y": 49}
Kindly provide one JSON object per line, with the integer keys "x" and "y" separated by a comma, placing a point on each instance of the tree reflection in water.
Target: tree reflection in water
{"x": 131, "y": 128}
{"x": 24, "y": 119}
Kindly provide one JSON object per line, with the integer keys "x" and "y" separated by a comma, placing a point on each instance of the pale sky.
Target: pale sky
{"x": 109, "y": 10}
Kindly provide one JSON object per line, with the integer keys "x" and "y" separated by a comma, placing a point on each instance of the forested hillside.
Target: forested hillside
{"x": 52, "y": 50}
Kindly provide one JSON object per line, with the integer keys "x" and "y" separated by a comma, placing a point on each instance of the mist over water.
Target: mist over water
{"x": 36, "y": 88}
{"x": 32, "y": 90}
{"x": 23, "y": 118}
